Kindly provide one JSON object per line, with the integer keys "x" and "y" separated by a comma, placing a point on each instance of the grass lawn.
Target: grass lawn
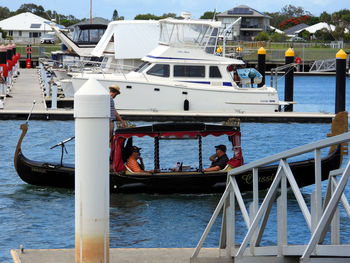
{"x": 37, "y": 49}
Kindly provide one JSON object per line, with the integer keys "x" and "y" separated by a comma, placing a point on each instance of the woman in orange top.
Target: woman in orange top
{"x": 132, "y": 163}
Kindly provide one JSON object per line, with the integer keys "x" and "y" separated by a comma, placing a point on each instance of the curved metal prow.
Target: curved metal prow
{"x": 24, "y": 128}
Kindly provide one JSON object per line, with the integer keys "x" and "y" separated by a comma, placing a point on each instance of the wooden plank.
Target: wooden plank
{"x": 123, "y": 255}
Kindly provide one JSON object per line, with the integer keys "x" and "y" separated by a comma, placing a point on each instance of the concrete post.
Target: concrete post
{"x": 91, "y": 112}
{"x": 3, "y": 68}
{"x": 340, "y": 85}
{"x": 289, "y": 79}
{"x": 54, "y": 96}
{"x": 9, "y": 64}
{"x": 262, "y": 64}
{"x": 14, "y": 59}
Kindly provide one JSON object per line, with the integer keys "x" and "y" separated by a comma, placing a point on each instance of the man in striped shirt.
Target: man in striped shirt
{"x": 114, "y": 90}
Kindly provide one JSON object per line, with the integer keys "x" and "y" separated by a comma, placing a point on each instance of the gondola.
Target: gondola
{"x": 190, "y": 180}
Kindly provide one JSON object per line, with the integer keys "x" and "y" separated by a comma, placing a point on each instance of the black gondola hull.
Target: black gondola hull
{"x": 55, "y": 175}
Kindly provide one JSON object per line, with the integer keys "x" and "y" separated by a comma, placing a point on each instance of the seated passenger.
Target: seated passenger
{"x": 132, "y": 163}
{"x": 219, "y": 159}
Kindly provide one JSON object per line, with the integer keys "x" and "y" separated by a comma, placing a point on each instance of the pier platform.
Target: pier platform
{"x": 122, "y": 255}
{"x": 27, "y": 88}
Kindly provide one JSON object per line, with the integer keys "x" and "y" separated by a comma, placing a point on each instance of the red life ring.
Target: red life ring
{"x": 29, "y": 50}
{"x": 298, "y": 60}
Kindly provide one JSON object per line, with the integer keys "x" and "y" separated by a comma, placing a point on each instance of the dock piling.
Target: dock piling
{"x": 340, "y": 86}
{"x": 289, "y": 79}
{"x": 91, "y": 114}
{"x": 262, "y": 64}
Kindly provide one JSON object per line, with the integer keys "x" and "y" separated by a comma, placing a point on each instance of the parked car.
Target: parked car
{"x": 48, "y": 38}
{"x": 296, "y": 39}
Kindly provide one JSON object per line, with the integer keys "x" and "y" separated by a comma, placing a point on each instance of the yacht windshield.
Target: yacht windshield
{"x": 86, "y": 35}
{"x": 142, "y": 67}
{"x": 182, "y": 34}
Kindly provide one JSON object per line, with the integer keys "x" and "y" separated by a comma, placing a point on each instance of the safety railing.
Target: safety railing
{"x": 318, "y": 220}
{"x": 274, "y": 73}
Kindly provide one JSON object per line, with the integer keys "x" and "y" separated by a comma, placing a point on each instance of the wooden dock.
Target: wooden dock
{"x": 123, "y": 255}
{"x": 27, "y": 88}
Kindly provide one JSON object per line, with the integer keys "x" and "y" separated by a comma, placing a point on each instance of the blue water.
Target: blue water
{"x": 39, "y": 217}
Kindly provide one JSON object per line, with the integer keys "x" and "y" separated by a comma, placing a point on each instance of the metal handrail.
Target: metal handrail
{"x": 274, "y": 71}
{"x": 283, "y": 173}
{"x": 292, "y": 152}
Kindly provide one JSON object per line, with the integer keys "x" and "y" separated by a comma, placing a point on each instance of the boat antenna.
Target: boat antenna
{"x": 30, "y": 113}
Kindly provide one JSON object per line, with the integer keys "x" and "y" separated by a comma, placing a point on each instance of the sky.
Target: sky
{"x": 130, "y": 8}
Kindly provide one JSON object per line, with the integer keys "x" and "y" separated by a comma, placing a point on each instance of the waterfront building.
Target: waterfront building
{"x": 252, "y": 23}
{"x": 26, "y": 27}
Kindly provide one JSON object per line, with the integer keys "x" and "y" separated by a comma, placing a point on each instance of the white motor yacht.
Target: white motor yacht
{"x": 184, "y": 73}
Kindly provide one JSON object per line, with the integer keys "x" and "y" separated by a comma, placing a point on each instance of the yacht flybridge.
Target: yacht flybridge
{"x": 184, "y": 73}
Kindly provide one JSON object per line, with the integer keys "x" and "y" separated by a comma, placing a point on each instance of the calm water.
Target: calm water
{"x": 39, "y": 217}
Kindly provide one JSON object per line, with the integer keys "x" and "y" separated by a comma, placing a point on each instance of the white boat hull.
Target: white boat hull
{"x": 140, "y": 95}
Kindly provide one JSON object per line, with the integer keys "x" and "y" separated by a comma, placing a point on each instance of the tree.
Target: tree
{"x": 262, "y": 36}
{"x": 276, "y": 37}
{"x": 146, "y": 17}
{"x": 166, "y": 15}
{"x": 4, "y": 12}
{"x": 324, "y": 35}
{"x": 154, "y": 17}
{"x": 340, "y": 19}
{"x": 276, "y": 18}
{"x": 4, "y": 33}
{"x": 304, "y": 34}
{"x": 115, "y": 15}
{"x": 292, "y": 11}
{"x": 325, "y": 17}
{"x": 208, "y": 15}
{"x": 32, "y": 8}
{"x": 288, "y": 12}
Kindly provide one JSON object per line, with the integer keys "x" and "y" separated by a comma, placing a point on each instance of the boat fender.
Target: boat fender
{"x": 186, "y": 105}
{"x": 4, "y": 70}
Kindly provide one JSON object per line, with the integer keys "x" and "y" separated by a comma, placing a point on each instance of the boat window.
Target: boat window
{"x": 142, "y": 66}
{"x": 90, "y": 36}
{"x": 159, "y": 70}
{"x": 214, "y": 72}
{"x": 189, "y": 71}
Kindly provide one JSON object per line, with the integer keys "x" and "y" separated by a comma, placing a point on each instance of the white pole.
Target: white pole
{"x": 54, "y": 96}
{"x": 91, "y": 112}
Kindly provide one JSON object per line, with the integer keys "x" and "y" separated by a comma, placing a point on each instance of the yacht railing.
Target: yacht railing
{"x": 225, "y": 35}
{"x": 97, "y": 67}
{"x": 274, "y": 73}
{"x": 318, "y": 220}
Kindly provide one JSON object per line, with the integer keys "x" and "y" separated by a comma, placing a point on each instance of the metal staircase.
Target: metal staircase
{"x": 325, "y": 65}
{"x": 320, "y": 217}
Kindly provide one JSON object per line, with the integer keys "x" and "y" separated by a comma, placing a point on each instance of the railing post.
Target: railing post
{"x": 254, "y": 207}
{"x": 230, "y": 223}
{"x": 318, "y": 185}
{"x": 335, "y": 225}
{"x": 282, "y": 216}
